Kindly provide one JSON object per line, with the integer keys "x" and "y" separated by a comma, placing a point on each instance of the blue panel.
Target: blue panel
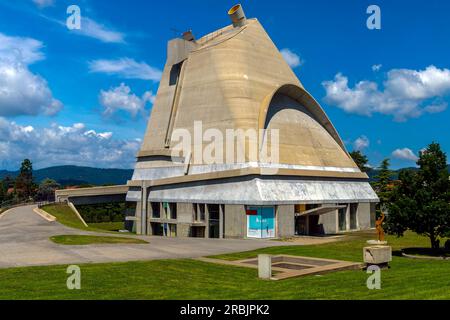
{"x": 261, "y": 225}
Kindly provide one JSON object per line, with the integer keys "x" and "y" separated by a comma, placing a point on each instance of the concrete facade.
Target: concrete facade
{"x": 233, "y": 221}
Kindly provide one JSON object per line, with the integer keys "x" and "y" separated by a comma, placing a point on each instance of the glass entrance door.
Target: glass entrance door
{"x": 261, "y": 222}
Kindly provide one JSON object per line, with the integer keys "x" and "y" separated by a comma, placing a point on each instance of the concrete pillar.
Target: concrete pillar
{"x": 206, "y": 221}
{"x": 265, "y": 266}
{"x": 337, "y": 221}
{"x": 347, "y": 217}
{"x": 221, "y": 215}
{"x": 144, "y": 204}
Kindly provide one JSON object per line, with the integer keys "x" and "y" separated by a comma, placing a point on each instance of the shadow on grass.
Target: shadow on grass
{"x": 427, "y": 252}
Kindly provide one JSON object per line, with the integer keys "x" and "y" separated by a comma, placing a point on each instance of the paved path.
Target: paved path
{"x": 24, "y": 241}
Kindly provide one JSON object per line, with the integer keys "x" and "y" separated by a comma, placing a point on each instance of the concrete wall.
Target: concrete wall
{"x": 185, "y": 213}
{"x": 329, "y": 222}
{"x": 365, "y": 216}
{"x": 235, "y": 221}
{"x": 285, "y": 216}
{"x": 183, "y": 230}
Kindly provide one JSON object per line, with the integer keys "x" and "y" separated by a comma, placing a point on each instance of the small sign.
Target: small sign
{"x": 252, "y": 212}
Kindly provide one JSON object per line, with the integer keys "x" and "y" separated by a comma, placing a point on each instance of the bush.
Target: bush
{"x": 110, "y": 212}
{"x": 447, "y": 245}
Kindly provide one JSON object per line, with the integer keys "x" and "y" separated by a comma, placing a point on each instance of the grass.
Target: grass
{"x": 427, "y": 252}
{"x": 108, "y": 226}
{"x": 195, "y": 280}
{"x": 86, "y": 240}
{"x": 67, "y": 217}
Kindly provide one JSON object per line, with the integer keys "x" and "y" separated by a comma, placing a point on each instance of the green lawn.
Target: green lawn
{"x": 85, "y": 240}
{"x": 67, "y": 217}
{"x": 108, "y": 226}
{"x": 190, "y": 279}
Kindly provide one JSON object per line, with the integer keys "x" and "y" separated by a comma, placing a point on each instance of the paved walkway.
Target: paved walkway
{"x": 24, "y": 241}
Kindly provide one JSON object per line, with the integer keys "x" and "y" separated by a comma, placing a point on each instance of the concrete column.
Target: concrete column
{"x": 206, "y": 222}
{"x": 265, "y": 266}
{"x": 144, "y": 200}
{"x": 221, "y": 215}
{"x": 337, "y": 221}
{"x": 347, "y": 217}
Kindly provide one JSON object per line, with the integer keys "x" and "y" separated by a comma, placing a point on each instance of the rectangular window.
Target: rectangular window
{"x": 173, "y": 211}
{"x": 342, "y": 219}
{"x": 172, "y": 230}
{"x": 197, "y": 232}
{"x": 214, "y": 220}
{"x": 353, "y": 217}
{"x": 214, "y": 211}
{"x": 202, "y": 210}
{"x": 198, "y": 212}
{"x": 156, "y": 210}
{"x": 157, "y": 229}
{"x": 195, "y": 214}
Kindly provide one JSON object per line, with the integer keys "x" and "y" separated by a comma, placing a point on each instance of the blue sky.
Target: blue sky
{"x": 386, "y": 91}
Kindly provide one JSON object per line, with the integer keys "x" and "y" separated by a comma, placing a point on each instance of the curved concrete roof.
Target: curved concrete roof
{"x": 236, "y": 78}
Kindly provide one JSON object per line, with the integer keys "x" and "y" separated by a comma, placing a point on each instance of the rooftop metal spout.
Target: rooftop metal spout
{"x": 237, "y": 16}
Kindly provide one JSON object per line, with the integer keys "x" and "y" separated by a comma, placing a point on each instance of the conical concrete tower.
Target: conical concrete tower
{"x": 235, "y": 80}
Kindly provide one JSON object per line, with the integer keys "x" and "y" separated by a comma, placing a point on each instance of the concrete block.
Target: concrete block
{"x": 264, "y": 266}
{"x": 377, "y": 254}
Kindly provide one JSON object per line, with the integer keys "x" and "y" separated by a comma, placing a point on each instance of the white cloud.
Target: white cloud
{"x": 59, "y": 145}
{"x": 44, "y": 3}
{"x": 121, "y": 98}
{"x": 377, "y": 67}
{"x": 404, "y": 154}
{"x": 93, "y": 29}
{"x": 126, "y": 68}
{"x": 21, "y": 91}
{"x": 292, "y": 59}
{"x": 20, "y": 50}
{"x": 361, "y": 143}
{"x": 406, "y": 94}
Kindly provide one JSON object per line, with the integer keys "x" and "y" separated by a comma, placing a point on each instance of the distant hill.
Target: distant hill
{"x": 74, "y": 175}
{"x": 374, "y": 172}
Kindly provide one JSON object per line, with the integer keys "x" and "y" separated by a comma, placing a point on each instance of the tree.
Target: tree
{"x": 24, "y": 182}
{"x": 2, "y": 192}
{"x": 46, "y": 190}
{"x": 360, "y": 160}
{"x": 7, "y": 183}
{"x": 382, "y": 183}
{"x": 421, "y": 201}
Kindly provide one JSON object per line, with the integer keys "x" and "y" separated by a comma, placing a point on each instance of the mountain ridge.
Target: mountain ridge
{"x": 79, "y": 175}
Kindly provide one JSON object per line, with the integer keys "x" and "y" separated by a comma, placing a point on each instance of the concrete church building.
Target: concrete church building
{"x": 235, "y": 78}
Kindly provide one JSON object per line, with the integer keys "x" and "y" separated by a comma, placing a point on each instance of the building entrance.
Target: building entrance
{"x": 261, "y": 222}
